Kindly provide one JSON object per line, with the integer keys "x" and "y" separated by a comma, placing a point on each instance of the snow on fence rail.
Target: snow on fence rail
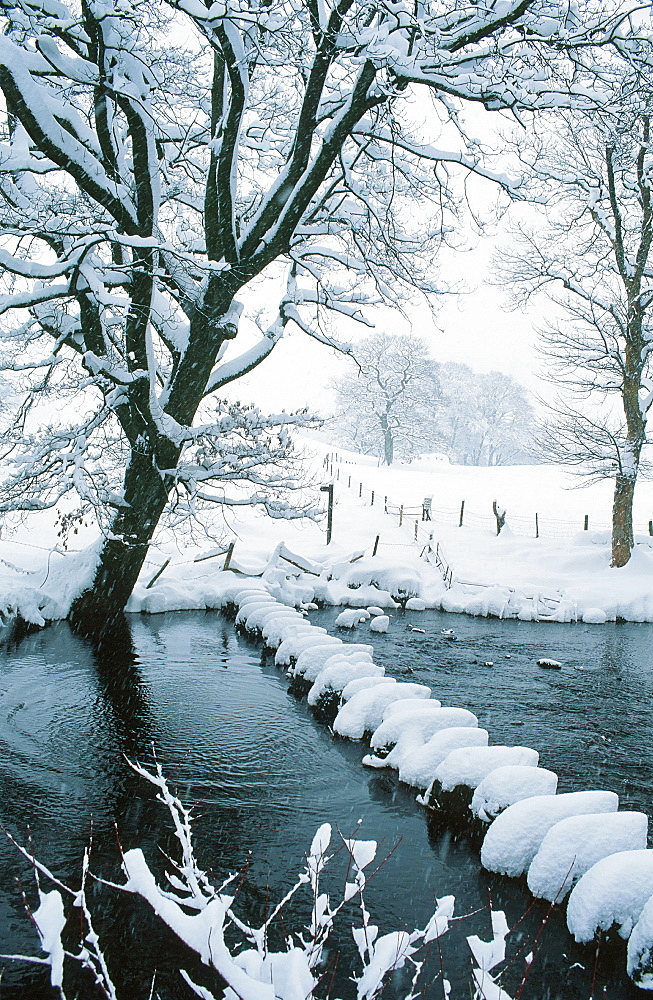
{"x": 535, "y": 526}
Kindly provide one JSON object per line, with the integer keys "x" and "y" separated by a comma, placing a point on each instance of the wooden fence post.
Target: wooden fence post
{"x": 372, "y": 500}
{"x": 401, "y": 515}
{"x": 157, "y": 575}
{"x": 227, "y": 561}
{"x": 329, "y": 490}
{"x": 587, "y": 522}
{"x": 376, "y": 545}
{"x": 416, "y": 529}
{"x": 537, "y": 526}
{"x": 385, "y": 504}
{"x": 462, "y": 514}
{"x": 360, "y": 490}
{"x": 349, "y": 483}
{"x": 650, "y": 527}
{"x": 500, "y": 516}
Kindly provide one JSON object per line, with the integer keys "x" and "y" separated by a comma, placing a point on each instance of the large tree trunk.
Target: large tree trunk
{"x": 388, "y": 448}
{"x": 622, "y": 520}
{"x": 388, "y": 440}
{"x": 124, "y": 550}
{"x": 145, "y": 488}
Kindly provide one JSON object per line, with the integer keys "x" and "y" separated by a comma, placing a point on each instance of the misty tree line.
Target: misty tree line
{"x": 397, "y": 403}
{"x": 159, "y": 157}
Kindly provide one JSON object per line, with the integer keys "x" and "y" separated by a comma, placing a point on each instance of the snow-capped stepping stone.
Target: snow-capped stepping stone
{"x": 594, "y": 616}
{"x": 361, "y": 684}
{"x": 293, "y": 645}
{"x": 375, "y": 611}
{"x": 418, "y": 768}
{"x": 256, "y": 619}
{"x": 573, "y": 845}
{"x": 514, "y": 837}
{"x": 469, "y": 765}
{"x": 427, "y": 720}
{"x": 265, "y": 602}
{"x": 335, "y": 677}
{"x": 509, "y": 784}
{"x": 614, "y": 891}
{"x": 549, "y": 664}
{"x": 639, "y": 962}
{"x": 379, "y": 624}
{"x": 364, "y": 712}
{"x": 311, "y": 661}
{"x": 277, "y": 628}
{"x": 415, "y": 604}
{"x": 351, "y": 617}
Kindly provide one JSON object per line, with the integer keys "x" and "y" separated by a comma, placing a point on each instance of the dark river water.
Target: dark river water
{"x": 263, "y": 774}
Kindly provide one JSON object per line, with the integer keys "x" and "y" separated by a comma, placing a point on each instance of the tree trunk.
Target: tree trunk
{"x": 622, "y": 520}
{"x": 145, "y": 488}
{"x": 124, "y": 551}
{"x": 388, "y": 447}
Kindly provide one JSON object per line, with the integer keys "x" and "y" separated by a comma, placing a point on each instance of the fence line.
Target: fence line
{"x": 536, "y": 526}
{"x": 425, "y": 537}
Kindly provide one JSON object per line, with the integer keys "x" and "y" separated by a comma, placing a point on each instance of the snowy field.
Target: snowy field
{"x": 562, "y": 575}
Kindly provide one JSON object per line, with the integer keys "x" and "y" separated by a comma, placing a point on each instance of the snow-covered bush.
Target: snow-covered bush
{"x": 199, "y": 913}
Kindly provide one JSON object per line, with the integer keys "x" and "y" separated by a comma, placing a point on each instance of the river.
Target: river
{"x": 264, "y": 774}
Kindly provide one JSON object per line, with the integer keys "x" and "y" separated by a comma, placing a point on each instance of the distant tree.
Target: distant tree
{"x": 483, "y": 419}
{"x": 386, "y": 405}
{"x": 594, "y": 257}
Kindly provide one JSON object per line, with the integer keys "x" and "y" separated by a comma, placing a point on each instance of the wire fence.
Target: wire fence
{"x": 535, "y": 526}
{"x": 422, "y": 533}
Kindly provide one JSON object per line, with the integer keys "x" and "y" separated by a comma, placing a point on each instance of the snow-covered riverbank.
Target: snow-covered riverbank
{"x": 563, "y": 575}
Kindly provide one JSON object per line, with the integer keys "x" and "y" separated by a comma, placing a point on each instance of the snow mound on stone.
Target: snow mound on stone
{"x": 514, "y": 837}
{"x": 509, "y": 784}
{"x": 639, "y": 962}
{"x": 339, "y": 674}
{"x": 379, "y": 624}
{"x": 469, "y": 765}
{"x": 263, "y": 603}
{"x": 361, "y": 684}
{"x": 415, "y": 604}
{"x": 261, "y": 614}
{"x": 295, "y": 644}
{"x": 573, "y": 845}
{"x": 594, "y": 616}
{"x": 614, "y": 891}
{"x": 410, "y": 741}
{"x": 276, "y": 628}
{"x": 363, "y": 712}
{"x": 425, "y": 722}
{"x": 418, "y": 767}
{"x": 311, "y": 661}
{"x": 393, "y": 578}
{"x": 351, "y": 617}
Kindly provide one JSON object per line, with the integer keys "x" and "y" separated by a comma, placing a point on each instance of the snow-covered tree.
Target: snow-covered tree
{"x": 386, "y": 402}
{"x": 483, "y": 418}
{"x": 158, "y": 157}
{"x": 594, "y": 257}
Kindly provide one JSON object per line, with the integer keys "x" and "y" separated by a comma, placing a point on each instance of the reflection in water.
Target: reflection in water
{"x": 263, "y": 775}
{"x": 122, "y": 687}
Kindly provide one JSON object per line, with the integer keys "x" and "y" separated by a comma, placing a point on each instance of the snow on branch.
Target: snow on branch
{"x": 236, "y": 952}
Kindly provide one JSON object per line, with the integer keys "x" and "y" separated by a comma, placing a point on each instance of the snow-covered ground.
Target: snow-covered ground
{"x": 562, "y": 575}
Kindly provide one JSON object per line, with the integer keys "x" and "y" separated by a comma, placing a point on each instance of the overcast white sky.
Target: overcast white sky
{"x": 475, "y": 328}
